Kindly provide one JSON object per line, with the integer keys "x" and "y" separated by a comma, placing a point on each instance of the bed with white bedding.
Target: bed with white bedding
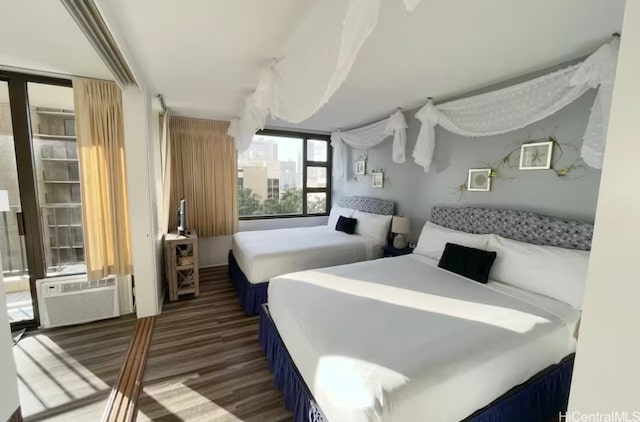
{"x": 402, "y": 340}
{"x": 257, "y": 256}
{"x": 265, "y": 254}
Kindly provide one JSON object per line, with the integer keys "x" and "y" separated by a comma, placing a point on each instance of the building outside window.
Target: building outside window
{"x": 284, "y": 174}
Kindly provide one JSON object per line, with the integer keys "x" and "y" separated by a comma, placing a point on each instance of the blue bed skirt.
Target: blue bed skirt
{"x": 251, "y": 296}
{"x": 539, "y": 399}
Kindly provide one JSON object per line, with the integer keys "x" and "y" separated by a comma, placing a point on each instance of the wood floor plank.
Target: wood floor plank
{"x": 122, "y": 403}
{"x": 206, "y": 363}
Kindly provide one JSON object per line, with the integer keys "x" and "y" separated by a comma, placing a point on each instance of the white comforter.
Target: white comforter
{"x": 264, "y": 254}
{"x": 401, "y": 340}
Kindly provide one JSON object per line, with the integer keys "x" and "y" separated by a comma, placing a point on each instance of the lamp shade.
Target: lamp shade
{"x": 400, "y": 225}
{"x": 4, "y": 201}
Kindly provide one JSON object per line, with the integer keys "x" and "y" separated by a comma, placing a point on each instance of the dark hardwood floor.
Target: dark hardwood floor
{"x": 205, "y": 362}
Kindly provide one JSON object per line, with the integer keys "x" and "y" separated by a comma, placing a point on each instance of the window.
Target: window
{"x": 41, "y": 231}
{"x": 284, "y": 174}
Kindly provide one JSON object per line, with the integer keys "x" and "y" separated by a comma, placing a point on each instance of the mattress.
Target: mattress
{"x": 400, "y": 339}
{"x": 264, "y": 254}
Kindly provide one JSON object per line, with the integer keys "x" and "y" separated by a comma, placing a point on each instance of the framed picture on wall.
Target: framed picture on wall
{"x": 479, "y": 180}
{"x": 377, "y": 179}
{"x": 361, "y": 167}
{"x": 536, "y": 156}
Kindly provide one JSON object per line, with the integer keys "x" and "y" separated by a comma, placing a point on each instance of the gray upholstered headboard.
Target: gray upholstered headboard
{"x": 517, "y": 225}
{"x": 366, "y": 204}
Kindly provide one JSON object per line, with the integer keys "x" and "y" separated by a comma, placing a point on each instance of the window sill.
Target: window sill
{"x": 279, "y": 216}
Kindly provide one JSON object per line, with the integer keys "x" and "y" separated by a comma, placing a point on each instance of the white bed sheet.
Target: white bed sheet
{"x": 399, "y": 339}
{"x": 264, "y": 254}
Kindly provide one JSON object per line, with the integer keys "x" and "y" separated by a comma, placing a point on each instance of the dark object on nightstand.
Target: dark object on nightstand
{"x": 390, "y": 251}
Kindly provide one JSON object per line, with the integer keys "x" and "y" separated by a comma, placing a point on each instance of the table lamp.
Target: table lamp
{"x": 400, "y": 226}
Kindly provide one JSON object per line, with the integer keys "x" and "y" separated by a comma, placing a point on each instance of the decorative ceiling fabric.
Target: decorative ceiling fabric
{"x": 368, "y": 137}
{"x": 317, "y": 62}
{"x": 520, "y": 105}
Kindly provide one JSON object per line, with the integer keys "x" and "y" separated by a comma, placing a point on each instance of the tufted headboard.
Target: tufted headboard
{"x": 366, "y": 204}
{"x": 517, "y": 225}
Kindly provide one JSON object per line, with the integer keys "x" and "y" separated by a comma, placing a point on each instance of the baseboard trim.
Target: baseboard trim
{"x": 122, "y": 405}
{"x": 224, "y": 264}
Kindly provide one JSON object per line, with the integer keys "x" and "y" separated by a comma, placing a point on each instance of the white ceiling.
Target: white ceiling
{"x": 205, "y": 57}
{"x": 40, "y": 35}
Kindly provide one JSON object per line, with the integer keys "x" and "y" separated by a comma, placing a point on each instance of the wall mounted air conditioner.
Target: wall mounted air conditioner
{"x": 75, "y": 300}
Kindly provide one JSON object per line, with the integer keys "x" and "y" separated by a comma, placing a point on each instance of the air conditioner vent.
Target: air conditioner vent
{"x": 84, "y": 285}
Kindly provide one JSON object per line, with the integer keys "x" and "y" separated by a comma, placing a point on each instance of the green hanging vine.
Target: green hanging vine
{"x": 507, "y": 162}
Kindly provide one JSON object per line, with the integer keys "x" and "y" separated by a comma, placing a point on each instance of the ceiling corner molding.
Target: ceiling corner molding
{"x": 88, "y": 18}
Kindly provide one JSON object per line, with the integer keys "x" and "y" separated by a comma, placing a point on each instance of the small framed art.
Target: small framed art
{"x": 377, "y": 179}
{"x": 479, "y": 180}
{"x": 536, "y": 156}
{"x": 361, "y": 167}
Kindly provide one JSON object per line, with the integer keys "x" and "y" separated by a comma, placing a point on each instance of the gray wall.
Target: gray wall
{"x": 539, "y": 191}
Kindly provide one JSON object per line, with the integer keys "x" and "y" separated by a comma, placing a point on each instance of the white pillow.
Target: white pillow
{"x": 336, "y": 212}
{"x": 434, "y": 238}
{"x": 374, "y": 226}
{"x": 551, "y": 271}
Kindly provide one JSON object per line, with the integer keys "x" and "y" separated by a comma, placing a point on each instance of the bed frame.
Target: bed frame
{"x": 541, "y": 398}
{"x": 252, "y": 295}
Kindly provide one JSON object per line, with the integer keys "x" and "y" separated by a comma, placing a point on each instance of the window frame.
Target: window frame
{"x": 17, "y": 84}
{"x": 305, "y": 136}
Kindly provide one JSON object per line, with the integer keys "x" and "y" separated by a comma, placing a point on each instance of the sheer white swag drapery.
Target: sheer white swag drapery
{"x": 369, "y": 136}
{"x": 520, "y": 105}
{"x": 316, "y": 62}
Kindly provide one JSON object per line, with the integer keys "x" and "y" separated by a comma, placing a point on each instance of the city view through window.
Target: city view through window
{"x": 271, "y": 176}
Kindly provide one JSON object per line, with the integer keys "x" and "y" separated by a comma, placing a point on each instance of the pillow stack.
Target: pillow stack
{"x": 335, "y": 214}
{"x": 548, "y": 270}
{"x": 434, "y": 238}
{"x": 373, "y": 226}
{"x": 551, "y": 271}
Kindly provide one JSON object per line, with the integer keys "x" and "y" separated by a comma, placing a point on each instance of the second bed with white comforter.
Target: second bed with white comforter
{"x": 405, "y": 340}
{"x": 268, "y": 253}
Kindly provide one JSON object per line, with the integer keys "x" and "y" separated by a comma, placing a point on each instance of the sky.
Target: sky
{"x": 287, "y": 149}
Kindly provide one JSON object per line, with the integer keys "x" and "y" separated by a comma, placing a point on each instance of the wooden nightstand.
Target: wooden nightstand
{"x": 181, "y": 263}
{"x": 389, "y": 251}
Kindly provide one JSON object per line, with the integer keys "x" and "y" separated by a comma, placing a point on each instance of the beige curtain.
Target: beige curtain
{"x": 166, "y": 172}
{"x": 103, "y": 178}
{"x": 203, "y": 170}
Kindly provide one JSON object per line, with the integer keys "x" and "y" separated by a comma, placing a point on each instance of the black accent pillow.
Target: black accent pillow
{"x": 468, "y": 262}
{"x": 346, "y": 224}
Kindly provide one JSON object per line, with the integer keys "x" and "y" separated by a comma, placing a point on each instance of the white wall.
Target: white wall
{"x": 607, "y": 368}
{"x": 155, "y": 156}
{"x": 144, "y": 176}
{"x": 9, "y": 400}
{"x": 213, "y": 251}
{"x": 143, "y": 201}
